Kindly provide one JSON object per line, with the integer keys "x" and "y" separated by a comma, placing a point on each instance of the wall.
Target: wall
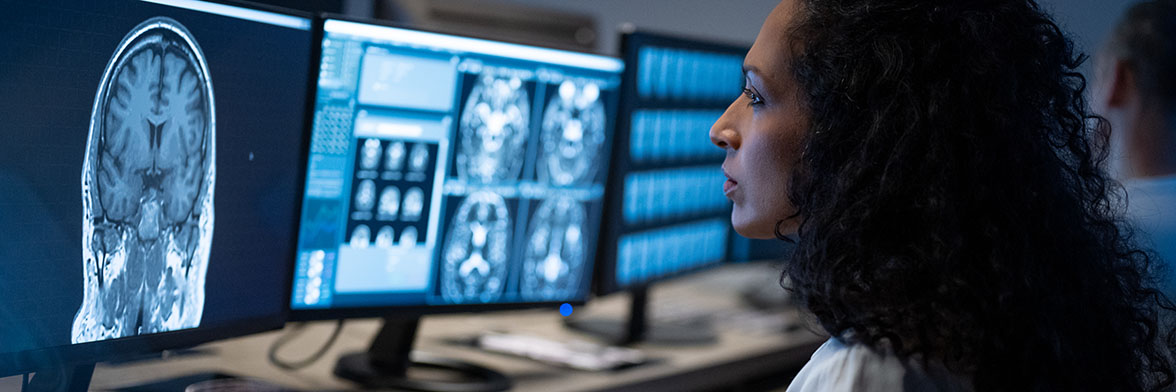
{"x": 734, "y": 21}
{"x": 739, "y": 20}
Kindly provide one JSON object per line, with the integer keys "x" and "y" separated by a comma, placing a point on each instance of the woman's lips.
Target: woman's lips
{"x": 729, "y": 186}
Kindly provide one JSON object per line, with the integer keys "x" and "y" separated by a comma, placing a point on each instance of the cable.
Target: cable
{"x": 294, "y": 333}
{"x": 24, "y": 382}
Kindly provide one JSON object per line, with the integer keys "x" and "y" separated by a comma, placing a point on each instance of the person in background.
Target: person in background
{"x": 1135, "y": 90}
{"x": 955, "y": 225}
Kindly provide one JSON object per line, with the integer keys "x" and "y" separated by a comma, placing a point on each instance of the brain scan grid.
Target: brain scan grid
{"x": 470, "y": 178}
{"x": 387, "y": 198}
{"x": 147, "y": 187}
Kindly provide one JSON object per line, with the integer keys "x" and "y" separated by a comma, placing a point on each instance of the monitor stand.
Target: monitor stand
{"x": 386, "y": 363}
{"x": 68, "y": 378}
{"x": 638, "y": 328}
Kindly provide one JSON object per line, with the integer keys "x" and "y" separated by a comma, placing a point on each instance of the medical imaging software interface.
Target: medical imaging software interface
{"x": 447, "y": 170}
{"x": 145, "y": 171}
{"x": 680, "y": 92}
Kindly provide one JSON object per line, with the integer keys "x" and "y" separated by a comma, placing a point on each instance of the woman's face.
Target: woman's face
{"x": 762, "y": 131}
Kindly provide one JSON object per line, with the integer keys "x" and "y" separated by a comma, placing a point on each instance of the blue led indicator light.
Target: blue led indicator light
{"x": 565, "y": 309}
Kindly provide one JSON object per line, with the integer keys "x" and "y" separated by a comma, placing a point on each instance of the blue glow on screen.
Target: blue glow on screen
{"x": 447, "y": 170}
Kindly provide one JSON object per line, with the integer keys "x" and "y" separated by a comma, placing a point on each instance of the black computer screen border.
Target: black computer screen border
{"x": 631, "y": 41}
{"x": 415, "y": 311}
{"x": 67, "y": 356}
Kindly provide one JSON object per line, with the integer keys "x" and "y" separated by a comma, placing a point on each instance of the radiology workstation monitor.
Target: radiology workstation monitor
{"x": 147, "y": 196}
{"x": 448, "y": 174}
{"x": 448, "y": 171}
{"x": 666, "y": 210}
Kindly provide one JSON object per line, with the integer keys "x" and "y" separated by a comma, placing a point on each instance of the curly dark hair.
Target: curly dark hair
{"x": 955, "y": 201}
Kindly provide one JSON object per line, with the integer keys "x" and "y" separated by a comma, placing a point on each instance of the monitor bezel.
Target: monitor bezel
{"x": 314, "y": 314}
{"x": 84, "y": 354}
{"x": 631, "y": 40}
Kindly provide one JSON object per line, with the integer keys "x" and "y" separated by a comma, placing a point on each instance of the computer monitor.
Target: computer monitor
{"x": 448, "y": 174}
{"x": 666, "y": 210}
{"x": 148, "y": 196}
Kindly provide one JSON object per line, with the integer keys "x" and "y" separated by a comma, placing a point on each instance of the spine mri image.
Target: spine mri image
{"x": 147, "y": 187}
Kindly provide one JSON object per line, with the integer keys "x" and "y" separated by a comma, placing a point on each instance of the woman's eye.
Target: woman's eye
{"x": 753, "y": 97}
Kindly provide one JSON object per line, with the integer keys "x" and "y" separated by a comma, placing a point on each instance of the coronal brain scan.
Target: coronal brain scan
{"x": 408, "y": 238}
{"x": 419, "y": 158}
{"x": 414, "y": 204}
{"x": 386, "y": 237}
{"x": 369, "y": 154}
{"x": 474, "y": 259}
{"x": 365, "y": 196}
{"x": 389, "y": 203}
{"x": 361, "y": 237}
{"x": 573, "y": 133}
{"x": 493, "y": 130}
{"x": 394, "y": 157}
{"x": 555, "y": 250}
{"x": 147, "y": 187}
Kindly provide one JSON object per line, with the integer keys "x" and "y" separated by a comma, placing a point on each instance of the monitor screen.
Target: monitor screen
{"x": 148, "y": 180}
{"x": 668, "y": 213}
{"x": 451, "y": 171}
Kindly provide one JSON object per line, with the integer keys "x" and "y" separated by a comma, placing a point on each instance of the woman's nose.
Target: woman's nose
{"x": 723, "y": 133}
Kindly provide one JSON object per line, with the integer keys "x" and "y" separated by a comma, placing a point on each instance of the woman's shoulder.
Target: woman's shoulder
{"x": 837, "y": 366}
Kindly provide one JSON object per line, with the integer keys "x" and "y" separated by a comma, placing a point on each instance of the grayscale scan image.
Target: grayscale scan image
{"x": 555, "y": 251}
{"x": 147, "y": 187}
{"x": 493, "y": 130}
{"x": 573, "y": 133}
{"x": 474, "y": 259}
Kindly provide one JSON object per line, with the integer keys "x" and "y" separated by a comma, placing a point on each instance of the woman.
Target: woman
{"x": 955, "y": 227}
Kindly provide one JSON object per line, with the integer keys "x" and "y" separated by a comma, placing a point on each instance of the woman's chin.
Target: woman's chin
{"x": 753, "y": 229}
{"x": 761, "y": 228}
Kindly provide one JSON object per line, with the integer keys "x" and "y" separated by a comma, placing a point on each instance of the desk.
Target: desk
{"x": 738, "y": 356}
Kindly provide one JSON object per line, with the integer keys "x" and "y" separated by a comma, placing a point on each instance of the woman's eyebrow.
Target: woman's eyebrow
{"x": 750, "y": 69}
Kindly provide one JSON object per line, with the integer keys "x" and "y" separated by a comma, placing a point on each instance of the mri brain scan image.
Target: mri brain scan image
{"x": 493, "y": 130}
{"x": 385, "y": 238}
{"x": 474, "y": 257}
{"x": 361, "y": 237}
{"x": 147, "y": 187}
{"x": 573, "y": 133}
{"x": 555, "y": 251}
{"x": 419, "y": 158}
{"x": 389, "y": 203}
{"x": 365, "y": 196}
{"x": 314, "y": 275}
{"x": 414, "y": 204}
{"x": 409, "y": 237}
{"x": 369, "y": 154}
{"x": 394, "y": 157}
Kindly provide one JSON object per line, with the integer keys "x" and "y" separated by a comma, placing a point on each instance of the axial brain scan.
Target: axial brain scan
{"x": 555, "y": 250}
{"x": 493, "y": 130}
{"x": 573, "y": 132}
{"x": 474, "y": 258}
{"x": 147, "y": 187}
